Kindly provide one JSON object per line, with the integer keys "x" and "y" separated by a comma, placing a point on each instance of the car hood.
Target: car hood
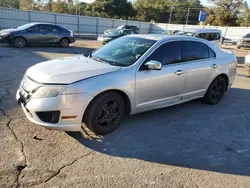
{"x": 245, "y": 39}
{"x": 110, "y": 35}
{"x": 7, "y": 30}
{"x": 68, "y": 70}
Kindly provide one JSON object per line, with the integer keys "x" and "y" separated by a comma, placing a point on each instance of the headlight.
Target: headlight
{"x": 107, "y": 38}
{"x": 48, "y": 91}
{"x": 5, "y": 34}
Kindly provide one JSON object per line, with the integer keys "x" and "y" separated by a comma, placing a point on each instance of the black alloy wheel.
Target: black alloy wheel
{"x": 216, "y": 91}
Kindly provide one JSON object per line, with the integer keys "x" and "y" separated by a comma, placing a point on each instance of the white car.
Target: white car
{"x": 247, "y": 63}
{"x": 129, "y": 75}
{"x": 212, "y": 35}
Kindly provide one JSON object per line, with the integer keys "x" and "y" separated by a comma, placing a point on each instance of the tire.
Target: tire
{"x": 105, "y": 113}
{"x": 19, "y": 42}
{"x": 64, "y": 43}
{"x": 216, "y": 91}
{"x": 238, "y": 47}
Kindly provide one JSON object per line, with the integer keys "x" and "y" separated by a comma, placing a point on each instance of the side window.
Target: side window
{"x": 217, "y": 36}
{"x": 211, "y": 53}
{"x": 168, "y": 53}
{"x": 56, "y": 29}
{"x": 195, "y": 50}
{"x": 33, "y": 28}
{"x": 247, "y": 36}
{"x": 41, "y": 28}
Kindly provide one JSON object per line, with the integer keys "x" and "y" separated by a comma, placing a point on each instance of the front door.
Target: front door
{"x": 159, "y": 88}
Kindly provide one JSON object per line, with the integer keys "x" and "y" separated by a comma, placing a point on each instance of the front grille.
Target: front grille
{"x": 49, "y": 117}
{"x": 27, "y": 89}
{"x": 29, "y": 85}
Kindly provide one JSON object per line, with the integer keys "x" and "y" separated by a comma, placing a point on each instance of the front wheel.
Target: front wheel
{"x": 216, "y": 91}
{"x": 19, "y": 42}
{"x": 105, "y": 113}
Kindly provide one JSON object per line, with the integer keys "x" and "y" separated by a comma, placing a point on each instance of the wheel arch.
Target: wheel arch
{"x": 120, "y": 92}
{"x": 64, "y": 38}
{"x": 224, "y": 76}
{"x": 20, "y": 36}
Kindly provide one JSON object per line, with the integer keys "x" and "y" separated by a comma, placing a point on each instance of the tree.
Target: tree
{"x": 111, "y": 9}
{"x": 9, "y": 3}
{"x": 160, "y": 10}
{"x": 29, "y": 5}
{"x": 60, "y": 7}
{"x": 225, "y": 12}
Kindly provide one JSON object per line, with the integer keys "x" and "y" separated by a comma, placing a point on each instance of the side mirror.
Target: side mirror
{"x": 153, "y": 65}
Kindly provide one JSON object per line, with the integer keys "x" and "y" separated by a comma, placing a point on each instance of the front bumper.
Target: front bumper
{"x": 68, "y": 105}
{"x": 5, "y": 39}
{"x": 243, "y": 44}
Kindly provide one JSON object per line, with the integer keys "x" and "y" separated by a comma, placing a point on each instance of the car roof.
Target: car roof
{"x": 35, "y": 23}
{"x": 198, "y": 30}
{"x": 159, "y": 37}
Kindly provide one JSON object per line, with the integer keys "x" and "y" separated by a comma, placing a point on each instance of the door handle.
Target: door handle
{"x": 179, "y": 72}
{"x": 214, "y": 66}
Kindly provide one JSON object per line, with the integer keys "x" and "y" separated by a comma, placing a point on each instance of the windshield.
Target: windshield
{"x": 123, "y": 51}
{"x": 22, "y": 27}
{"x": 120, "y": 27}
{"x": 116, "y": 32}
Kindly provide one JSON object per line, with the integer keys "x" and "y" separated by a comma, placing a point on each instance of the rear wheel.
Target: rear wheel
{"x": 105, "y": 113}
{"x": 216, "y": 91}
{"x": 19, "y": 42}
{"x": 64, "y": 43}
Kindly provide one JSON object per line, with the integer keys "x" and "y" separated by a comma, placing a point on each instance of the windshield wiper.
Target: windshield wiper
{"x": 97, "y": 59}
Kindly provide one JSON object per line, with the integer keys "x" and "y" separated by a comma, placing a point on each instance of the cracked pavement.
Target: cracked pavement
{"x": 188, "y": 145}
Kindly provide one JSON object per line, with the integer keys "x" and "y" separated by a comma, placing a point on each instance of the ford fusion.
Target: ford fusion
{"x": 129, "y": 75}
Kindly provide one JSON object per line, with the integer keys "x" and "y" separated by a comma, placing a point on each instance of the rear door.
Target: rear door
{"x": 51, "y": 33}
{"x": 200, "y": 65}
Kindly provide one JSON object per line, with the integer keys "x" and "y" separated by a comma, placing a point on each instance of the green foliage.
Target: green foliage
{"x": 111, "y": 9}
{"x": 227, "y": 12}
{"x": 221, "y": 13}
{"x": 9, "y": 3}
{"x": 160, "y": 10}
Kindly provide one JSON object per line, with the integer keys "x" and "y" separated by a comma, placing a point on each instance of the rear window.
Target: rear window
{"x": 195, "y": 50}
{"x": 210, "y": 36}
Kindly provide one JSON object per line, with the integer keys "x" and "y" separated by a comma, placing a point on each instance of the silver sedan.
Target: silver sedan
{"x": 129, "y": 75}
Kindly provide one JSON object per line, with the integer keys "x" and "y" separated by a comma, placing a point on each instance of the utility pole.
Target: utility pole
{"x": 187, "y": 15}
{"x": 171, "y": 11}
{"x": 170, "y": 16}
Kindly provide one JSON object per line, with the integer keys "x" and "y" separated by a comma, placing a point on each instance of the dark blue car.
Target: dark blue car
{"x": 37, "y": 34}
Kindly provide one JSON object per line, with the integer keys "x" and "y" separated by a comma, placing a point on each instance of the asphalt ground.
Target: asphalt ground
{"x": 188, "y": 145}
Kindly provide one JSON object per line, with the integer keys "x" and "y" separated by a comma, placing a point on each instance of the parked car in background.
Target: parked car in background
{"x": 37, "y": 34}
{"x": 247, "y": 63}
{"x": 123, "y": 27}
{"x": 228, "y": 41}
{"x": 129, "y": 75}
{"x": 244, "y": 41}
{"x": 212, "y": 35}
{"x": 116, "y": 33}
